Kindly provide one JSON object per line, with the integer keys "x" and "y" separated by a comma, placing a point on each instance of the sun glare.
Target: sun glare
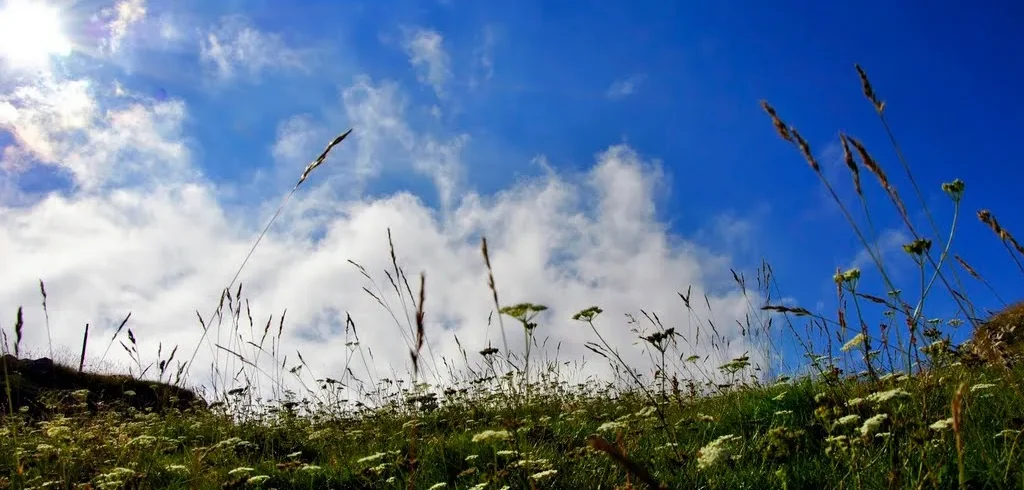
{"x": 31, "y": 32}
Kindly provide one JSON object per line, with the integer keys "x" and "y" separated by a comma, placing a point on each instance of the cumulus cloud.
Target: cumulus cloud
{"x": 234, "y": 49}
{"x": 164, "y": 250}
{"x": 625, "y": 87}
{"x": 427, "y": 55}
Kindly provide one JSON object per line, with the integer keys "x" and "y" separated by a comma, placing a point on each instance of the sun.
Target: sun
{"x": 31, "y": 32}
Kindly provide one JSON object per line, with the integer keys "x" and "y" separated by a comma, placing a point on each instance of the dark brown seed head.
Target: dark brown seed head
{"x": 989, "y": 219}
{"x": 869, "y": 92}
{"x": 851, "y": 164}
{"x": 780, "y": 126}
{"x": 986, "y": 217}
{"x": 805, "y": 149}
{"x": 870, "y": 163}
{"x": 967, "y": 267}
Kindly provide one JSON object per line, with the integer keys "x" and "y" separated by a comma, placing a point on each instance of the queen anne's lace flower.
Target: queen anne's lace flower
{"x": 716, "y": 451}
{"x": 854, "y": 342}
{"x": 872, "y": 424}
{"x": 491, "y": 435}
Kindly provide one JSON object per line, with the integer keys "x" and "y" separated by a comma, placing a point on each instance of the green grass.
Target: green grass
{"x": 906, "y": 409}
{"x": 787, "y": 434}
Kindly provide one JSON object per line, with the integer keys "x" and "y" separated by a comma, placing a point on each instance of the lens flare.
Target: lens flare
{"x": 31, "y": 32}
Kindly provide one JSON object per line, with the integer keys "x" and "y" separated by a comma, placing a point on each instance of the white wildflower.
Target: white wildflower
{"x": 943, "y": 424}
{"x": 854, "y": 342}
{"x": 847, "y": 420}
{"x": 611, "y": 426}
{"x": 646, "y": 412}
{"x": 982, "y": 386}
{"x": 534, "y": 463}
{"x": 491, "y": 435}
{"x": 872, "y": 424}
{"x": 543, "y": 474}
{"x": 371, "y": 458}
{"x": 884, "y": 396}
{"x": 716, "y": 451}
{"x": 1007, "y": 433}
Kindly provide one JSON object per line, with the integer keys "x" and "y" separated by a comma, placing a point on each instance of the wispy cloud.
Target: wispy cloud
{"x": 38, "y": 112}
{"x": 888, "y": 246}
{"x": 386, "y": 142}
{"x": 125, "y": 13}
{"x": 625, "y": 87}
{"x": 169, "y": 30}
{"x": 426, "y": 51}
{"x": 62, "y": 123}
{"x": 484, "y": 57}
{"x": 235, "y": 49}
{"x": 295, "y": 137}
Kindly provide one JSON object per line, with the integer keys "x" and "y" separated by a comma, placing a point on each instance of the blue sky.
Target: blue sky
{"x": 475, "y": 108}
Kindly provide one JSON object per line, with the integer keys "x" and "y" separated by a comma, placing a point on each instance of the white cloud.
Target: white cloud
{"x": 378, "y": 111}
{"x": 125, "y": 13}
{"x": 484, "y": 55}
{"x": 889, "y": 247}
{"x": 60, "y": 123}
{"x": 297, "y": 139}
{"x": 235, "y": 49}
{"x": 165, "y": 249}
{"x": 625, "y": 87}
{"x": 426, "y": 52}
{"x": 37, "y": 114}
{"x": 169, "y": 30}
{"x": 383, "y": 137}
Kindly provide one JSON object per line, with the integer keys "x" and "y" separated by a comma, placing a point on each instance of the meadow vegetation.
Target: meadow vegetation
{"x": 920, "y": 402}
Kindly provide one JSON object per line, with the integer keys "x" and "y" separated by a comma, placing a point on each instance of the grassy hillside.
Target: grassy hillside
{"x": 900, "y": 432}
{"x": 901, "y": 407}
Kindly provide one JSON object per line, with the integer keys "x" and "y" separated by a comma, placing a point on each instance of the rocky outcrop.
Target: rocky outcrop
{"x": 42, "y": 387}
{"x": 1000, "y": 338}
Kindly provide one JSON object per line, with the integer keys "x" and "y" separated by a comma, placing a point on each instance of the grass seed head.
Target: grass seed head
{"x": 851, "y": 164}
{"x": 780, "y": 126}
{"x": 869, "y": 91}
{"x": 805, "y": 149}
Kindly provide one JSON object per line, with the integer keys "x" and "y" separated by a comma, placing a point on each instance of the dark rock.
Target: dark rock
{"x": 45, "y": 387}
